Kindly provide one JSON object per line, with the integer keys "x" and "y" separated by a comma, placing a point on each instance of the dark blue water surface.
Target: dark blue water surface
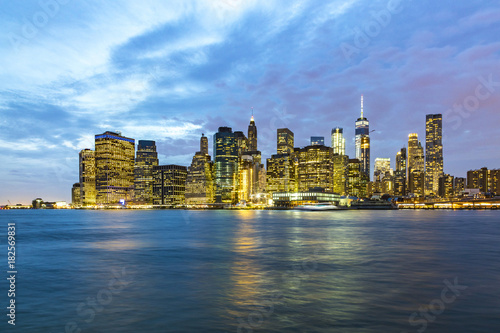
{"x": 260, "y": 271}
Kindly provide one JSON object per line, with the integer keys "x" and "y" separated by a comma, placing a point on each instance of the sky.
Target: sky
{"x": 171, "y": 70}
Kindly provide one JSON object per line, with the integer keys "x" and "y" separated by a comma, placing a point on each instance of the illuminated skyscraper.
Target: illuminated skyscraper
{"x": 340, "y": 173}
{"x": 400, "y": 173}
{"x": 446, "y": 189}
{"x": 252, "y": 135}
{"x": 317, "y": 140}
{"x": 199, "y": 181}
{"x": 357, "y": 179}
{"x": 415, "y": 154}
{"x": 169, "y": 187}
{"x": 114, "y": 159}
{"x": 285, "y": 141}
{"x": 87, "y": 173}
{"x": 75, "y": 195}
{"x": 365, "y": 155}
{"x": 338, "y": 141}
{"x": 226, "y": 165}
{"x": 382, "y": 165}
{"x": 362, "y": 129}
{"x": 204, "y": 144}
{"x": 315, "y": 168}
{"x": 433, "y": 153}
{"x": 146, "y": 158}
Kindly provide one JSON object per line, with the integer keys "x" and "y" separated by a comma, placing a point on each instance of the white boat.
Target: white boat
{"x": 317, "y": 207}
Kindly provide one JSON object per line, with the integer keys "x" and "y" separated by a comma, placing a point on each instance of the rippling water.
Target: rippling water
{"x": 261, "y": 271}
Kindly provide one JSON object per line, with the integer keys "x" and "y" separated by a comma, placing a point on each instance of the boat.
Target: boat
{"x": 317, "y": 207}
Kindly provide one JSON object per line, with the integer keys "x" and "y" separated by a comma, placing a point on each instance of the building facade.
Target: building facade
{"x": 315, "y": 168}
{"x": 433, "y": 153}
{"x": 284, "y": 141}
{"x": 226, "y": 149}
{"x": 87, "y": 175}
{"x": 338, "y": 141}
{"x": 169, "y": 185}
{"x": 146, "y": 158}
{"x": 199, "y": 179}
{"x": 114, "y": 159}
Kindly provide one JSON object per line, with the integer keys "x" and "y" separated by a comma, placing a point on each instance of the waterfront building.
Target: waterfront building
{"x": 433, "y": 153}
{"x": 169, "y": 185}
{"x": 362, "y": 132}
{"x": 146, "y": 158}
{"x": 446, "y": 189}
{"x": 293, "y": 199}
{"x": 487, "y": 181}
{"x": 282, "y": 173}
{"x": 199, "y": 179}
{"x": 317, "y": 140}
{"x": 400, "y": 173}
{"x": 416, "y": 183}
{"x": 357, "y": 184}
{"x": 459, "y": 185}
{"x": 87, "y": 177}
{"x": 338, "y": 141}
{"x": 76, "y": 199}
{"x": 114, "y": 158}
{"x": 315, "y": 168}
{"x": 285, "y": 141}
{"x": 340, "y": 173}
{"x": 226, "y": 154}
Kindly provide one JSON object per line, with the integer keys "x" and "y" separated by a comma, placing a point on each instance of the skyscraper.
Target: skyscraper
{"x": 382, "y": 165}
{"x": 315, "y": 168}
{"x": 365, "y": 155}
{"x": 169, "y": 185}
{"x": 415, "y": 154}
{"x": 338, "y": 141}
{"x": 87, "y": 177}
{"x": 362, "y": 128}
{"x": 317, "y": 140}
{"x": 340, "y": 173}
{"x": 204, "y": 144}
{"x": 226, "y": 165}
{"x": 433, "y": 153}
{"x": 363, "y": 142}
{"x": 146, "y": 158}
{"x": 400, "y": 173}
{"x": 252, "y": 135}
{"x": 114, "y": 159}
{"x": 285, "y": 141}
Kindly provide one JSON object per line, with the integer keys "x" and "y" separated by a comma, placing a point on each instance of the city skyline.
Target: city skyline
{"x": 173, "y": 73}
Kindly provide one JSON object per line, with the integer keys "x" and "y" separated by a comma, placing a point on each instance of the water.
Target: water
{"x": 261, "y": 271}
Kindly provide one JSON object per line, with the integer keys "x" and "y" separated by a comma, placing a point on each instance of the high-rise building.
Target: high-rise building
{"x": 446, "y": 189}
{"x": 459, "y": 185}
{"x": 204, "y": 144}
{"x": 87, "y": 172}
{"x": 226, "y": 155}
{"x": 416, "y": 183}
{"x": 338, "y": 141}
{"x": 362, "y": 129}
{"x": 433, "y": 153}
{"x": 382, "y": 165}
{"x": 146, "y": 158}
{"x": 340, "y": 173}
{"x": 114, "y": 159}
{"x": 285, "y": 141}
{"x": 199, "y": 181}
{"x": 252, "y": 135}
{"x": 315, "y": 168}
{"x": 357, "y": 179}
{"x": 317, "y": 140}
{"x": 365, "y": 155}
{"x": 400, "y": 173}
{"x": 487, "y": 181}
{"x": 169, "y": 185}
{"x": 76, "y": 199}
{"x": 282, "y": 173}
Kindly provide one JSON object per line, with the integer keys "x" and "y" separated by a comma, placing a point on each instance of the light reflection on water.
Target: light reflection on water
{"x": 267, "y": 271}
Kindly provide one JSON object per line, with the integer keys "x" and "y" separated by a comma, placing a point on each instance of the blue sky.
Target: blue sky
{"x": 171, "y": 70}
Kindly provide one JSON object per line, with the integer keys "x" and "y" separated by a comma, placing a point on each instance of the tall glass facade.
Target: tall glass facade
{"x": 145, "y": 160}
{"x": 433, "y": 153}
